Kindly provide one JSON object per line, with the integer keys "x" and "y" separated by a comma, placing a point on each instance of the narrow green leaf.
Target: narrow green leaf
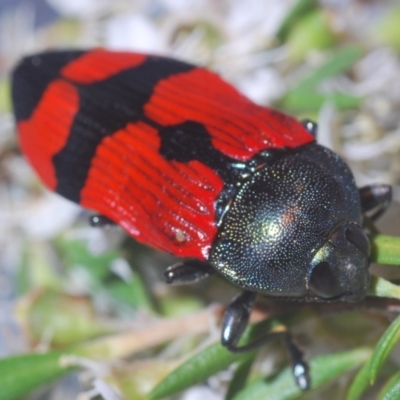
{"x": 311, "y": 32}
{"x": 5, "y": 103}
{"x": 197, "y": 369}
{"x": 384, "y": 347}
{"x": 323, "y": 369}
{"x": 76, "y": 253}
{"x": 21, "y": 374}
{"x": 386, "y": 249}
{"x": 386, "y": 30}
{"x": 301, "y": 8}
{"x": 382, "y": 288}
{"x": 76, "y": 322}
{"x": 178, "y": 305}
{"x": 36, "y": 269}
{"x": 131, "y": 292}
{"x": 391, "y": 390}
{"x": 306, "y": 95}
{"x": 340, "y": 61}
{"x": 133, "y": 380}
{"x": 239, "y": 378}
{"x": 206, "y": 363}
{"x": 306, "y": 99}
{"x": 360, "y": 383}
{"x": 23, "y": 282}
{"x": 367, "y": 374}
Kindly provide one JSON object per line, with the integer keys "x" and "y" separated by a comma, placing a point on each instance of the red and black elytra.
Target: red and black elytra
{"x": 188, "y": 165}
{"x": 147, "y": 141}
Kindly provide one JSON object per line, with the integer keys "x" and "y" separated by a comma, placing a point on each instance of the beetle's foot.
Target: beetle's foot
{"x": 100, "y": 221}
{"x": 190, "y": 271}
{"x": 311, "y": 126}
{"x": 299, "y": 366}
{"x": 375, "y": 199}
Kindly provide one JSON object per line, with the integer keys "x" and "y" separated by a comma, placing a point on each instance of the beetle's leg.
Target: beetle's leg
{"x": 375, "y": 199}
{"x": 188, "y": 272}
{"x": 100, "y": 221}
{"x": 299, "y": 366}
{"x": 234, "y": 323}
{"x": 235, "y": 320}
{"x": 311, "y": 126}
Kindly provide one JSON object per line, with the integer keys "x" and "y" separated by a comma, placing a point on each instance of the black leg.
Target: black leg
{"x": 311, "y": 126}
{"x": 235, "y": 322}
{"x": 236, "y": 319}
{"x": 100, "y": 221}
{"x": 299, "y": 366}
{"x": 188, "y": 272}
{"x": 375, "y": 199}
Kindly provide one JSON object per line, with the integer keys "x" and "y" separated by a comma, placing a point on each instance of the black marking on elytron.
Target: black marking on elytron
{"x": 106, "y": 107}
{"x": 32, "y": 76}
{"x": 191, "y": 141}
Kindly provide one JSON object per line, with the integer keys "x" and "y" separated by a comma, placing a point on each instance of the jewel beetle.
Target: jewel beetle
{"x": 186, "y": 164}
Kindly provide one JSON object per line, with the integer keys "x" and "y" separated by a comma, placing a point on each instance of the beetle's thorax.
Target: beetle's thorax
{"x": 280, "y": 218}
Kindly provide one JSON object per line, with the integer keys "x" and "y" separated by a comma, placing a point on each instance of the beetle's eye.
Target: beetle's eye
{"x": 323, "y": 281}
{"x": 358, "y": 238}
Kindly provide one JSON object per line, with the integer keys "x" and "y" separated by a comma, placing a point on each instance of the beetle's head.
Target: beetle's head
{"x": 339, "y": 269}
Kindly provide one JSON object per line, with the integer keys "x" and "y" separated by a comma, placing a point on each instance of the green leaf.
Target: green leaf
{"x": 391, "y": 390}
{"x": 312, "y": 32}
{"x": 307, "y": 99}
{"x": 240, "y": 376}
{"x": 360, "y": 383}
{"x": 386, "y": 249}
{"x": 206, "y": 363}
{"x": 323, "y": 369}
{"x": 387, "y": 29}
{"x": 367, "y": 374}
{"x": 301, "y": 8}
{"x": 21, "y": 374}
{"x": 36, "y": 269}
{"x": 23, "y": 278}
{"x": 340, "y": 61}
{"x": 197, "y": 369}
{"x": 382, "y": 288}
{"x": 384, "y": 347}
{"x": 5, "y": 103}
{"x": 306, "y": 95}
{"x": 176, "y": 306}
{"x": 76, "y": 253}
{"x": 133, "y": 380}
{"x": 131, "y": 292}
{"x": 68, "y": 319}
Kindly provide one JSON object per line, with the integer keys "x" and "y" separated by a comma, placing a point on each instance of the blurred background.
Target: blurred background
{"x": 62, "y": 282}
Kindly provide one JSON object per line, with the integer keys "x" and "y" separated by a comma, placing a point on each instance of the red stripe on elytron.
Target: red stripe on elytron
{"x": 97, "y": 65}
{"x": 165, "y": 204}
{"x": 239, "y": 128}
{"x": 47, "y": 131}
